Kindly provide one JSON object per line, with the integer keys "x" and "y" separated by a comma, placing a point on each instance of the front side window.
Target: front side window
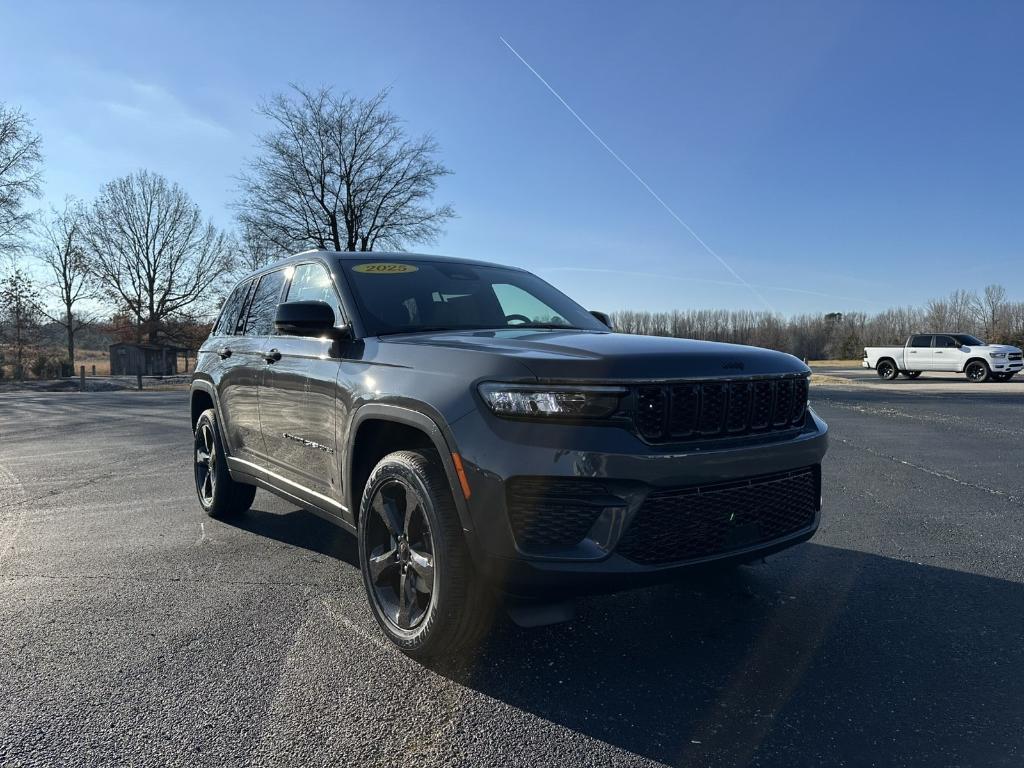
{"x": 945, "y": 342}
{"x": 920, "y": 341}
{"x": 967, "y": 340}
{"x": 411, "y": 296}
{"x": 312, "y": 282}
{"x": 263, "y": 307}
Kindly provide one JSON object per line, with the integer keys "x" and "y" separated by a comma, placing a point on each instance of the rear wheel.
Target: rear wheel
{"x": 219, "y": 495}
{"x": 977, "y": 371}
{"x": 911, "y": 374}
{"x": 886, "y": 369}
{"x": 416, "y": 569}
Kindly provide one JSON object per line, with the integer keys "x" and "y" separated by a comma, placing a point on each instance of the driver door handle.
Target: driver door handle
{"x": 272, "y": 356}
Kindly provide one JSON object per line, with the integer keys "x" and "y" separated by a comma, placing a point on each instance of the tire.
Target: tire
{"x": 416, "y": 568}
{"x": 977, "y": 371}
{"x": 1002, "y": 376}
{"x": 886, "y": 369}
{"x": 219, "y": 495}
{"x": 911, "y": 374}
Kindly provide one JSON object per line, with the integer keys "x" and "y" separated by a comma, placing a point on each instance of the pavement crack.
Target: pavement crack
{"x": 933, "y": 472}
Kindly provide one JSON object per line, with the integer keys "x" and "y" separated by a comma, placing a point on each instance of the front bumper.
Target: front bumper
{"x": 497, "y": 453}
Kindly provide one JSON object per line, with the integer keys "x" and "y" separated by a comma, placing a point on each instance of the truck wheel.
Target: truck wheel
{"x": 416, "y": 568}
{"x": 977, "y": 371}
{"x": 219, "y": 495}
{"x": 1002, "y": 376}
{"x": 911, "y": 374}
{"x": 887, "y": 370}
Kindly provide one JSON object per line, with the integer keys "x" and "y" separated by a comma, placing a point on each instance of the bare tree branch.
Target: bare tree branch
{"x": 151, "y": 251}
{"x": 339, "y": 173}
{"x": 20, "y": 175}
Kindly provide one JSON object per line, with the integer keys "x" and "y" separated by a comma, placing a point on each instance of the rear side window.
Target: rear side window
{"x": 232, "y": 307}
{"x": 920, "y": 341}
{"x": 260, "y": 320}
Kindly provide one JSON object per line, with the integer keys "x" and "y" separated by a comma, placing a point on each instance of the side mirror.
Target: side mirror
{"x": 307, "y": 318}
{"x": 603, "y": 317}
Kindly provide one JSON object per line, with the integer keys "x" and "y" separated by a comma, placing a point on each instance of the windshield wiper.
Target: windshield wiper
{"x": 553, "y": 326}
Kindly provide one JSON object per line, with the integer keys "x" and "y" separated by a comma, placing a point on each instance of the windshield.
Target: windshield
{"x": 401, "y": 296}
{"x": 967, "y": 340}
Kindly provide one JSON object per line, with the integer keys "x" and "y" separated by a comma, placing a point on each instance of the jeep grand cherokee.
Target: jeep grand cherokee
{"x": 480, "y": 432}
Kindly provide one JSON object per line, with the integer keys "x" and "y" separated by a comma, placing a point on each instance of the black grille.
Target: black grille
{"x": 545, "y": 511}
{"x": 1014, "y": 356}
{"x": 720, "y": 408}
{"x": 689, "y": 523}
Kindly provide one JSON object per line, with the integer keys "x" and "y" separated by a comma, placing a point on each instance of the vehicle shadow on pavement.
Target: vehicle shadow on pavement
{"x": 300, "y": 528}
{"x": 821, "y": 656}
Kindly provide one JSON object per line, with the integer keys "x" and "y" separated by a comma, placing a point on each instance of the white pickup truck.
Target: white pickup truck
{"x": 952, "y": 352}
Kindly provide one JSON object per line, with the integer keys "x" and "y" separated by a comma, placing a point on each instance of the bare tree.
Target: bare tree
{"x": 339, "y": 173}
{"x": 20, "y": 174}
{"x": 151, "y": 251}
{"x": 62, "y": 251}
{"x": 20, "y": 312}
{"x": 253, "y": 249}
{"x": 991, "y": 307}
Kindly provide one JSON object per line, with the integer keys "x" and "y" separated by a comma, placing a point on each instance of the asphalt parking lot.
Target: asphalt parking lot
{"x": 134, "y": 630}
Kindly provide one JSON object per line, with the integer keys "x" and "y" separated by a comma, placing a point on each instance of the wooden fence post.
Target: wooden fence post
{"x": 81, "y": 379}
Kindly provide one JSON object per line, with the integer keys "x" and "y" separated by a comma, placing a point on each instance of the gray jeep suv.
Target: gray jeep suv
{"x": 482, "y": 434}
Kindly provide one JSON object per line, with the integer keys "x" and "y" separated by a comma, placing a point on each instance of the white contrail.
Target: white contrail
{"x": 637, "y": 176}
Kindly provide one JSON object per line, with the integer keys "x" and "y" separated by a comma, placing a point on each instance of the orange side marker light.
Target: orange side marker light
{"x": 462, "y": 474}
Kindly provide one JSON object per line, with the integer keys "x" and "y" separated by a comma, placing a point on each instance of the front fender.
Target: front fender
{"x": 431, "y": 425}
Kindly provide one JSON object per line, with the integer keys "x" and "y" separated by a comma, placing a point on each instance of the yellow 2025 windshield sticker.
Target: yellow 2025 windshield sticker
{"x": 382, "y": 268}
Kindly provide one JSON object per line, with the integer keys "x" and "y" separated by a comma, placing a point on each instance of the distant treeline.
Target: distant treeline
{"x": 838, "y": 335}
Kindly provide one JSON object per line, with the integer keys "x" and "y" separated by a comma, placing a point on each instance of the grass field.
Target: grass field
{"x": 816, "y": 364}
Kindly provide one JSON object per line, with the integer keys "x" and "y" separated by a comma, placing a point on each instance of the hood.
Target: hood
{"x": 567, "y": 355}
{"x": 994, "y": 348}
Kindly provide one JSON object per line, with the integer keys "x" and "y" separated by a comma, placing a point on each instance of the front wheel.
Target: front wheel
{"x": 1003, "y": 376}
{"x": 219, "y": 495}
{"x": 416, "y": 569}
{"x": 977, "y": 371}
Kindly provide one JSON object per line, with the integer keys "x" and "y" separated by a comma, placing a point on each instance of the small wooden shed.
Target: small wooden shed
{"x": 129, "y": 358}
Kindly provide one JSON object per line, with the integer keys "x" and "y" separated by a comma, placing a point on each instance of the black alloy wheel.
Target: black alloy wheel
{"x": 887, "y": 370}
{"x": 977, "y": 371}
{"x": 419, "y": 577}
{"x": 401, "y": 554}
{"x": 218, "y": 493}
{"x": 912, "y": 374}
{"x": 206, "y": 464}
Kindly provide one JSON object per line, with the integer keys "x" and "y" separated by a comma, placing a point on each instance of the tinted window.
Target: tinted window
{"x": 312, "y": 282}
{"x": 260, "y": 321}
{"x": 408, "y": 296}
{"x": 968, "y": 341}
{"x": 945, "y": 342}
{"x": 920, "y": 341}
{"x": 232, "y": 307}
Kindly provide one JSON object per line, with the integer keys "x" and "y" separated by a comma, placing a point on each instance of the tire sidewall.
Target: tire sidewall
{"x": 396, "y": 467}
{"x": 223, "y": 484}
{"x": 974, "y": 364}
{"x": 887, "y": 371}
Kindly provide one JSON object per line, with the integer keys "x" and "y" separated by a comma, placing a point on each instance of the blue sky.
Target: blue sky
{"x": 839, "y": 156}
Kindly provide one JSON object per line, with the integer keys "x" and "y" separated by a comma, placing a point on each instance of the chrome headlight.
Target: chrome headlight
{"x": 551, "y": 401}
{"x": 997, "y": 355}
